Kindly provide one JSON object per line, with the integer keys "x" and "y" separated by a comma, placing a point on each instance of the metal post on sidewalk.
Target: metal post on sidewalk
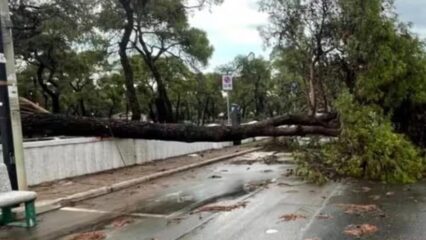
{"x": 227, "y": 85}
{"x": 228, "y": 109}
{"x": 10, "y": 117}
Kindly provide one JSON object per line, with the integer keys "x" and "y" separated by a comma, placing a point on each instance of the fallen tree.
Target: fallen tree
{"x": 47, "y": 124}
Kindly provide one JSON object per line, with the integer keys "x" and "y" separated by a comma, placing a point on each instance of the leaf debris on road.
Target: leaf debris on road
{"x": 361, "y": 230}
{"x": 359, "y": 209}
{"x": 324, "y": 217}
{"x": 221, "y": 208}
{"x": 97, "y": 235}
{"x": 121, "y": 222}
{"x": 292, "y": 217}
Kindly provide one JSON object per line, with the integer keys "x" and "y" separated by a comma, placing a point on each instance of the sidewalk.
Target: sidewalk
{"x": 63, "y": 188}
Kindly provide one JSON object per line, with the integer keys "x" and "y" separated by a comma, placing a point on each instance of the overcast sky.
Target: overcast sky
{"x": 232, "y": 27}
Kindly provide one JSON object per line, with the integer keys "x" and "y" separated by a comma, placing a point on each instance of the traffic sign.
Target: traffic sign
{"x": 227, "y": 83}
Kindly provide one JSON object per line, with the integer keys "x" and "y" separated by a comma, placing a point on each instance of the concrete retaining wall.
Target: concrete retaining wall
{"x": 63, "y": 158}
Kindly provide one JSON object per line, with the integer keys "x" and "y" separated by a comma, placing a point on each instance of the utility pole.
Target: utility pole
{"x": 10, "y": 117}
{"x": 227, "y": 85}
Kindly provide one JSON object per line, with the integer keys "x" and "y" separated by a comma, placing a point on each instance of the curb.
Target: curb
{"x": 129, "y": 183}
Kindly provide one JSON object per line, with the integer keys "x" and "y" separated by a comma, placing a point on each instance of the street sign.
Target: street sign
{"x": 227, "y": 83}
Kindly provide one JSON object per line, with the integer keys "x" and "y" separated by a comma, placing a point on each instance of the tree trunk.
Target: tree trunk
{"x": 177, "y": 110}
{"x": 259, "y": 98}
{"x": 312, "y": 88}
{"x": 205, "y": 110}
{"x": 43, "y": 124}
{"x": 162, "y": 101}
{"x": 125, "y": 63}
{"x": 163, "y": 104}
{"x": 56, "y": 107}
{"x": 188, "y": 112}
{"x": 111, "y": 111}
{"x": 47, "y": 92}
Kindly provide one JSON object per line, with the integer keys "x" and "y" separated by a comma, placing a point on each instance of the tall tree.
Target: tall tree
{"x": 127, "y": 5}
{"x": 155, "y": 29}
{"x": 306, "y": 29}
{"x": 44, "y": 32}
{"x": 117, "y": 18}
{"x": 162, "y": 30}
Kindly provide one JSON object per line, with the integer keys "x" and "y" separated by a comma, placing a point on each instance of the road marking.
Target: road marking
{"x": 139, "y": 215}
{"x": 72, "y": 209}
{"x": 318, "y": 212}
{"x": 173, "y": 194}
{"x": 146, "y": 215}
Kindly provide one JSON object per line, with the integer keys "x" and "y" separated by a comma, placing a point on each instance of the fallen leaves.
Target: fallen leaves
{"x": 291, "y": 217}
{"x": 121, "y": 222}
{"x": 324, "y": 217}
{"x": 252, "y": 186}
{"x": 97, "y": 235}
{"x": 359, "y": 209}
{"x": 221, "y": 208}
{"x": 268, "y": 159}
{"x": 361, "y": 230}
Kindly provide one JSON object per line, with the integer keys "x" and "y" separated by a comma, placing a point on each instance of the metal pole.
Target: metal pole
{"x": 5, "y": 125}
{"x": 12, "y": 97}
{"x": 228, "y": 108}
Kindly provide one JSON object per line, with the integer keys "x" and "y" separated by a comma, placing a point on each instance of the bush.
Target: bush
{"x": 367, "y": 148}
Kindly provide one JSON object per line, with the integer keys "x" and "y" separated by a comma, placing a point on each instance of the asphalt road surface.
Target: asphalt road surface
{"x": 250, "y": 197}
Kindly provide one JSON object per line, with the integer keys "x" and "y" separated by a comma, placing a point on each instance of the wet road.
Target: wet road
{"x": 273, "y": 205}
{"x": 268, "y": 193}
{"x": 400, "y": 213}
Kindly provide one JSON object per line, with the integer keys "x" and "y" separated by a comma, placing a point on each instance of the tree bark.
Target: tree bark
{"x": 53, "y": 95}
{"x": 44, "y": 124}
{"x": 312, "y": 88}
{"x": 56, "y": 106}
{"x": 162, "y": 101}
{"x": 127, "y": 68}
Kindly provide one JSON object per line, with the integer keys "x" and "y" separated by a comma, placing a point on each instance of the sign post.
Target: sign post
{"x": 10, "y": 117}
{"x": 227, "y": 86}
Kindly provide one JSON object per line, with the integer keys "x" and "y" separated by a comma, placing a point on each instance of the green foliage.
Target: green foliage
{"x": 367, "y": 148}
{"x": 390, "y": 58}
{"x": 310, "y": 171}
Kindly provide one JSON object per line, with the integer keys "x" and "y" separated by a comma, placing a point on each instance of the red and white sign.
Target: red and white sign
{"x": 227, "y": 83}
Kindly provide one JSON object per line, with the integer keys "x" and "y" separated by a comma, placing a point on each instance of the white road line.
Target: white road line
{"x": 72, "y": 209}
{"x": 139, "y": 215}
{"x": 320, "y": 209}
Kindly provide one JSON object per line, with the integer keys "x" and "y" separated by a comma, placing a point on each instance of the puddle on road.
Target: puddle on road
{"x": 165, "y": 207}
{"x": 230, "y": 182}
{"x": 181, "y": 202}
{"x": 187, "y": 202}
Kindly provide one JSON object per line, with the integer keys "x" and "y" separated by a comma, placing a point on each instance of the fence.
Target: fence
{"x": 63, "y": 158}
